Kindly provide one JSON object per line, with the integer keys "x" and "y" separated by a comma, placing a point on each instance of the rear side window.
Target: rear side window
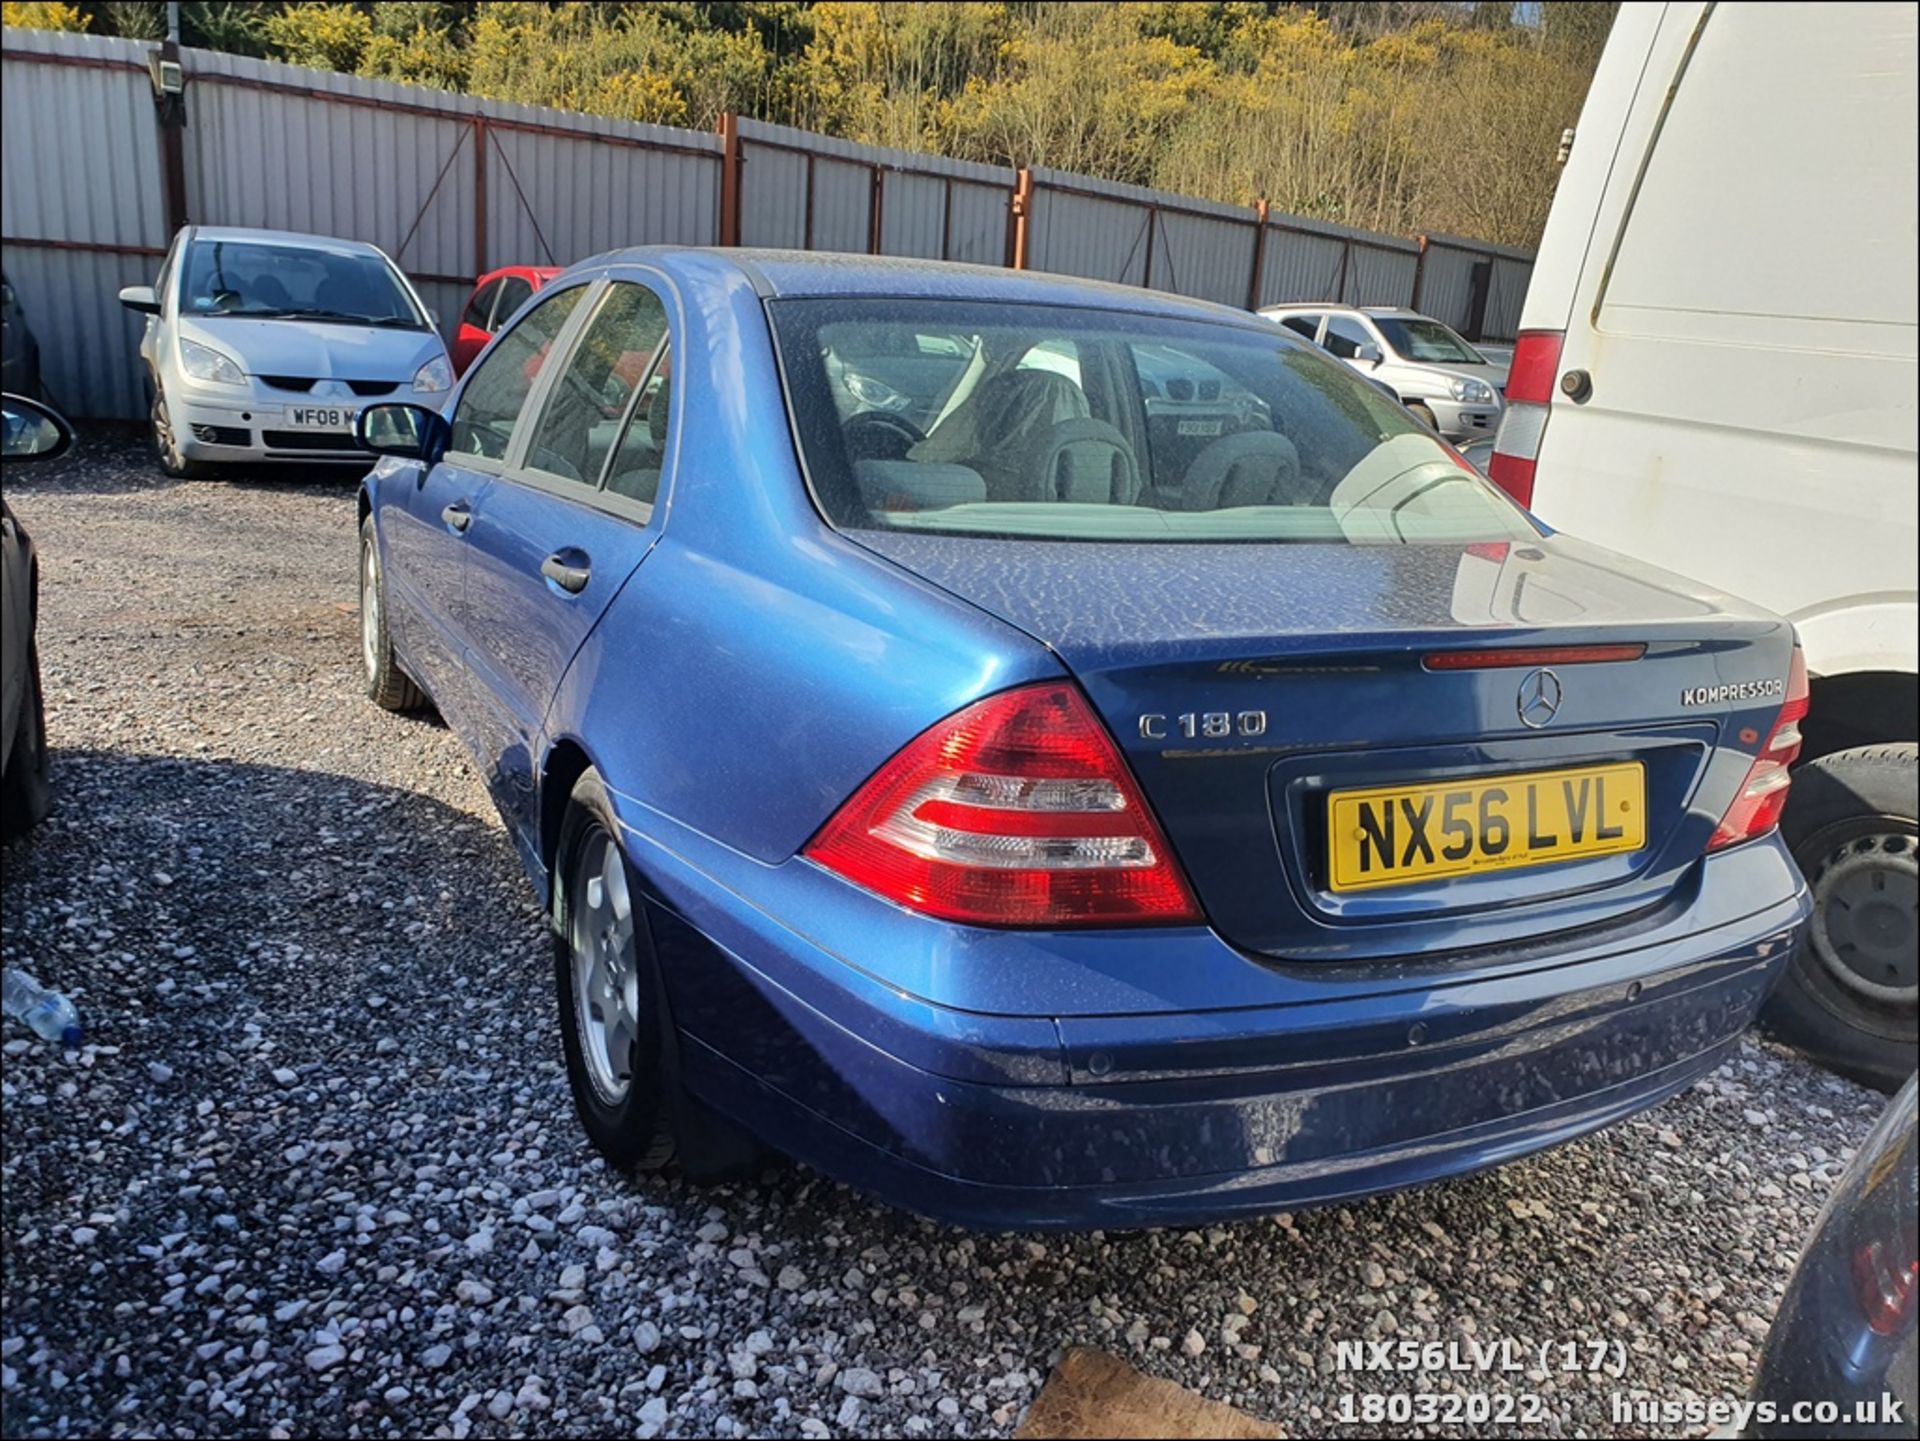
{"x": 514, "y": 290}
{"x": 1306, "y": 326}
{"x": 497, "y": 390}
{"x": 641, "y": 455}
{"x": 589, "y": 398}
{"x": 481, "y": 306}
{"x": 1046, "y": 422}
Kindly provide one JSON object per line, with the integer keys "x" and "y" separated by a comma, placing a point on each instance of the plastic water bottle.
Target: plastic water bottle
{"x": 50, "y": 1014}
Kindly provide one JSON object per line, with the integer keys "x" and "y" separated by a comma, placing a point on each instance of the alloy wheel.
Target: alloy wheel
{"x": 163, "y": 437}
{"x": 605, "y": 970}
{"x": 370, "y": 608}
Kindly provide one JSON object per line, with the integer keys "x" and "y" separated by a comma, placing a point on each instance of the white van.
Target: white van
{"x": 1716, "y": 372}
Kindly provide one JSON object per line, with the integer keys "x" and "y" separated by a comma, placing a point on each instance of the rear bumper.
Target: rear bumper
{"x": 1053, "y": 1129}
{"x": 1026, "y": 1122}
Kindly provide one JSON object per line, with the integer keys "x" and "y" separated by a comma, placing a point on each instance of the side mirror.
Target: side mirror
{"x": 410, "y": 431}
{"x": 141, "y": 298}
{"x": 33, "y": 431}
{"x": 1367, "y": 353}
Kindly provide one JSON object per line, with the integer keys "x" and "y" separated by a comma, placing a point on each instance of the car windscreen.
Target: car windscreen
{"x": 294, "y": 282}
{"x": 1427, "y": 340}
{"x": 1044, "y": 422}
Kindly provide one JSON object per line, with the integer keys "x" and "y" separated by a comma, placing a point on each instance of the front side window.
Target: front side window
{"x": 294, "y": 282}
{"x": 1418, "y": 338}
{"x": 1345, "y": 336}
{"x": 1046, "y": 422}
{"x": 514, "y": 290}
{"x": 497, "y": 390}
{"x": 589, "y": 398}
{"x": 481, "y": 306}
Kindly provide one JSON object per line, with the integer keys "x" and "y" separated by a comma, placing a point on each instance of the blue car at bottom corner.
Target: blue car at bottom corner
{"x": 1058, "y": 755}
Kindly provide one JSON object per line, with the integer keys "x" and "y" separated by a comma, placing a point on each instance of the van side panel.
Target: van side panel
{"x": 1600, "y": 138}
{"x": 1746, "y": 312}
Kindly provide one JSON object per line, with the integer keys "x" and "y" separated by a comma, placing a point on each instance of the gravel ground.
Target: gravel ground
{"x": 317, "y": 1170}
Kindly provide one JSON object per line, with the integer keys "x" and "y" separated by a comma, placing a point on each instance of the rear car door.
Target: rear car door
{"x": 562, "y": 527}
{"x": 427, "y": 512}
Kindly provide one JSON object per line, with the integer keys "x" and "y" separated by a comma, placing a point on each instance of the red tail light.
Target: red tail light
{"x": 1756, "y": 810}
{"x": 1516, "y": 448}
{"x": 1885, "y": 1285}
{"x": 1017, "y": 811}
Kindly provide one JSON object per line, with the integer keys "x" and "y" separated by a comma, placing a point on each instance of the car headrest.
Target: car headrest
{"x": 1256, "y": 467}
{"x": 657, "y": 416}
{"x": 916, "y": 485}
{"x": 1086, "y": 461}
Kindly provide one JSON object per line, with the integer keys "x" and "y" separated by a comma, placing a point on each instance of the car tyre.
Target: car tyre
{"x": 1422, "y": 413}
{"x": 166, "y": 447}
{"x": 1848, "y": 997}
{"x": 614, "y": 1025}
{"x": 24, "y": 789}
{"x": 388, "y": 686}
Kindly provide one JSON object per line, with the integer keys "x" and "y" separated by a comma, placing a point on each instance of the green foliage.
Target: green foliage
{"x": 135, "y": 19}
{"x": 33, "y": 15}
{"x": 1400, "y": 116}
{"x": 324, "y": 36}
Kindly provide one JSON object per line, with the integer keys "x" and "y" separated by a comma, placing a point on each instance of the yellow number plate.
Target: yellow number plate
{"x": 1397, "y": 834}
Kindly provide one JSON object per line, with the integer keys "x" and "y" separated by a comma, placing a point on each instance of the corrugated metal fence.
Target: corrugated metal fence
{"x": 450, "y": 186}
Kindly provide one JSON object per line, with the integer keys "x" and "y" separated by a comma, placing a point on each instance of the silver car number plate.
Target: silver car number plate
{"x": 319, "y": 417}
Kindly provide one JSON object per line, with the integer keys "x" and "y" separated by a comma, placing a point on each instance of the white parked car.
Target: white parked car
{"x": 262, "y": 345}
{"x": 1716, "y": 373}
{"x": 1436, "y": 374}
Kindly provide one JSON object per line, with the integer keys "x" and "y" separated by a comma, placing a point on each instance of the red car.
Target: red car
{"x": 495, "y": 297}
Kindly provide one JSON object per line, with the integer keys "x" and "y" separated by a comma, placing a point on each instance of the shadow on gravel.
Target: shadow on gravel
{"x": 115, "y": 458}
{"x": 155, "y": 867}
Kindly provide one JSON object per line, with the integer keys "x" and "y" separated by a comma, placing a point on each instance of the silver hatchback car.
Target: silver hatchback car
{"x": 263, "y": 345}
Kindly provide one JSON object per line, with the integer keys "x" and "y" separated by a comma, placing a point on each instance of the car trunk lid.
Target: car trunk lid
{"x": 1247, "y": 684}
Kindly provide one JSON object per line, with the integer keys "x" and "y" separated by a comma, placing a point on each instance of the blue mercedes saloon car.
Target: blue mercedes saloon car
{"x": 1051, "y": 754}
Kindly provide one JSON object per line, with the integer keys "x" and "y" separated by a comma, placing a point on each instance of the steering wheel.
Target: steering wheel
{"x": 1255, "y": 467}
{"x": 880, "y": 435}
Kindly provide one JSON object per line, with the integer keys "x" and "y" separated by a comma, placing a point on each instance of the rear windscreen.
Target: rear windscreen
{"x": 1049, "y": 422}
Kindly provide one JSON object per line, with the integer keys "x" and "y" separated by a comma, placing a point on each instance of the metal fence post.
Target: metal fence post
{"x": 1419, "y": 271}
{"x": 1259, "y": 254}
{"x": 479, "y": 195}
{"x": 173, "y": 142}
{"x": 730, "y": 180}
{"x": 1019, "y": 210}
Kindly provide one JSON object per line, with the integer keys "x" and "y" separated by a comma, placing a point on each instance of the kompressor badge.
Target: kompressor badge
{"x": 1735, "y": 691}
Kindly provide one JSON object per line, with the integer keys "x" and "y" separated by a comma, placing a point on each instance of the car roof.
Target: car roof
{"x": 236, "y": 234}
{"x": 541, "y": 273}
{"x": 797, "y": 273}
{"x": 1334, "y": 307}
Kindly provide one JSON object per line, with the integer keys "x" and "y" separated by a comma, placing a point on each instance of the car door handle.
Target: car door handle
{"x": 458, "y": 516}
{"x": 570, "y": 578}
